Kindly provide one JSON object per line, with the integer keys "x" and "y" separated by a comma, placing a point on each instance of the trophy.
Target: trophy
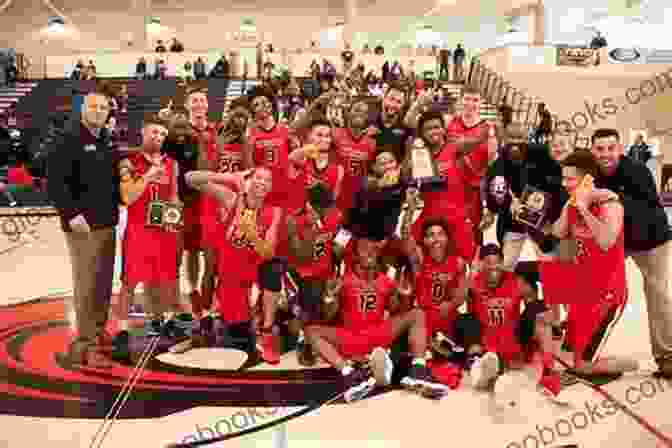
{"x": 534, "y": 208}
{"x": 424, "y": 170}
{"x": 587, "y": 184}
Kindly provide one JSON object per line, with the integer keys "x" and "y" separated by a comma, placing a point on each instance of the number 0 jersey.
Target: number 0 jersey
{"x": 363, "y": 303}
{"x": 436, "y": 282}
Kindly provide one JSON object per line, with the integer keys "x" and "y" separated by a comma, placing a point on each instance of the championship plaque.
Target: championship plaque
{"x": 534, "y": 208}
{"x": 424, "y": 170}
{"x": 162, "y": 214}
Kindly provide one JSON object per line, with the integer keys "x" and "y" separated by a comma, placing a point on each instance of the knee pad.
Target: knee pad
{"x": 270, "y": 274}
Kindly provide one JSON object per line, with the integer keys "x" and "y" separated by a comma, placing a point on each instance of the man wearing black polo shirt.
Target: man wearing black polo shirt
{"x": 83, "y": 183}
{"x": 390, "y": 133}
{"x": 648, "y": 239}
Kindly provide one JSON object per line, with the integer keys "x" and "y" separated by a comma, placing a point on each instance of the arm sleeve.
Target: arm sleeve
{"x": 61, "y": 179}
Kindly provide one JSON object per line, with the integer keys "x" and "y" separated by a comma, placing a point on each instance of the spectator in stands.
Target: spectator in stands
{"x": 160, "y": 48}
{"x": 545, "y": 125}
{"x": 76, "y": 74}
{"x": 11, "y": 73}
{"x": 366, "y": 49}
{"x": 221, "y": 69}
{"x": 444, "y": 64}
{"x": 80, "y": 65}
{"x": 176, "y": 46}
{"x": 458, "y": 62}
{"x": 386, "y": 72}
{"x": 199, "y": 68}
{"x": 647, "y": 154}
{"x": 640, "y": 151}
{"x": 141, "y": 68}
{"x": 160, "y": 69}
{"x": 379, "y": 50}
{"x": 348, "y": 57}
{"x": 91, "y": 69}
{"x": 598, "y": 41}
{"x": 185, "y": 72}
{"x": 315, "y": 69}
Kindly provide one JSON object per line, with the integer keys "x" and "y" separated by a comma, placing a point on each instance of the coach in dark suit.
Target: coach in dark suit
{"x": 83, "y": 183}
{"x": 648, "y": 239}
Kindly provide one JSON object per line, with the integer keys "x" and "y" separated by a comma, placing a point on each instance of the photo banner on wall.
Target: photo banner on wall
{"x": 568, "y": 56}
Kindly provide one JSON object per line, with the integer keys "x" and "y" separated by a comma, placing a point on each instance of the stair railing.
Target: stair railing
{"x": 497, "y": 90}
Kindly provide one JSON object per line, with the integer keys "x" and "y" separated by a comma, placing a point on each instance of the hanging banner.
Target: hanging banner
{"x": 567, "y": 56}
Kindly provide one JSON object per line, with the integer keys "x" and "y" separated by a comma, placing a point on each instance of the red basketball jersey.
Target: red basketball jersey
{"x": 363, "y": 303}
{"x": 163, "y": 190}
{"x": 228, "y": 158}
{"x": 476, "y": 162}
{"x": 321, "y": 266}
{"x": 597, "y": 270}
{"x": 450, "y": 199}
{"x": 271, "y": 150}
{"x": 498, "y": 310}
{"x": 436, "y": 282}
{"x": 327, "y": 175}
{"x": 355, "y": 155}
{"x": 237, "y": 258}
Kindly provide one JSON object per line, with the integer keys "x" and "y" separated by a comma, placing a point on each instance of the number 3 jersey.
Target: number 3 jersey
{"x": 363, "y": 302}
{"x": 498, "y": 310}
{"x": 271, "y": 150}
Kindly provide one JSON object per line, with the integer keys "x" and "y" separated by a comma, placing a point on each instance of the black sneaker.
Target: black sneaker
{"x": 420, "y": 379}
{"x": 358, "y": 384}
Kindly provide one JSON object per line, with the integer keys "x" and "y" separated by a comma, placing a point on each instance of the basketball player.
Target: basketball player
{"x": 476, "y": 144}
{"x": 364, "y": 294}
{"x": 355, "y": 150}
{"x": 246, "y": 250}
{"x": 224, "y": 157}
{"x": 146, "y": 177}
{"x": 313, "y": 254}
{"x": 496, "y": 303}
{"x": 268, "y": 146}
{"x": 448, "y": 203}
{"x": 196, "y": 211}
{"x": 313, "y": 164}
{"x": 593, "y": 276}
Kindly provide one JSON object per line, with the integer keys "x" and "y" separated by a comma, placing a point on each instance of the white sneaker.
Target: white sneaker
{"x": 381, "y": 366}
{"x": 484, "y": 370}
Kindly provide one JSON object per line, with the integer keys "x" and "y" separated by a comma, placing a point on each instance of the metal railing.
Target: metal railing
{"x": 497, "y": 90}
